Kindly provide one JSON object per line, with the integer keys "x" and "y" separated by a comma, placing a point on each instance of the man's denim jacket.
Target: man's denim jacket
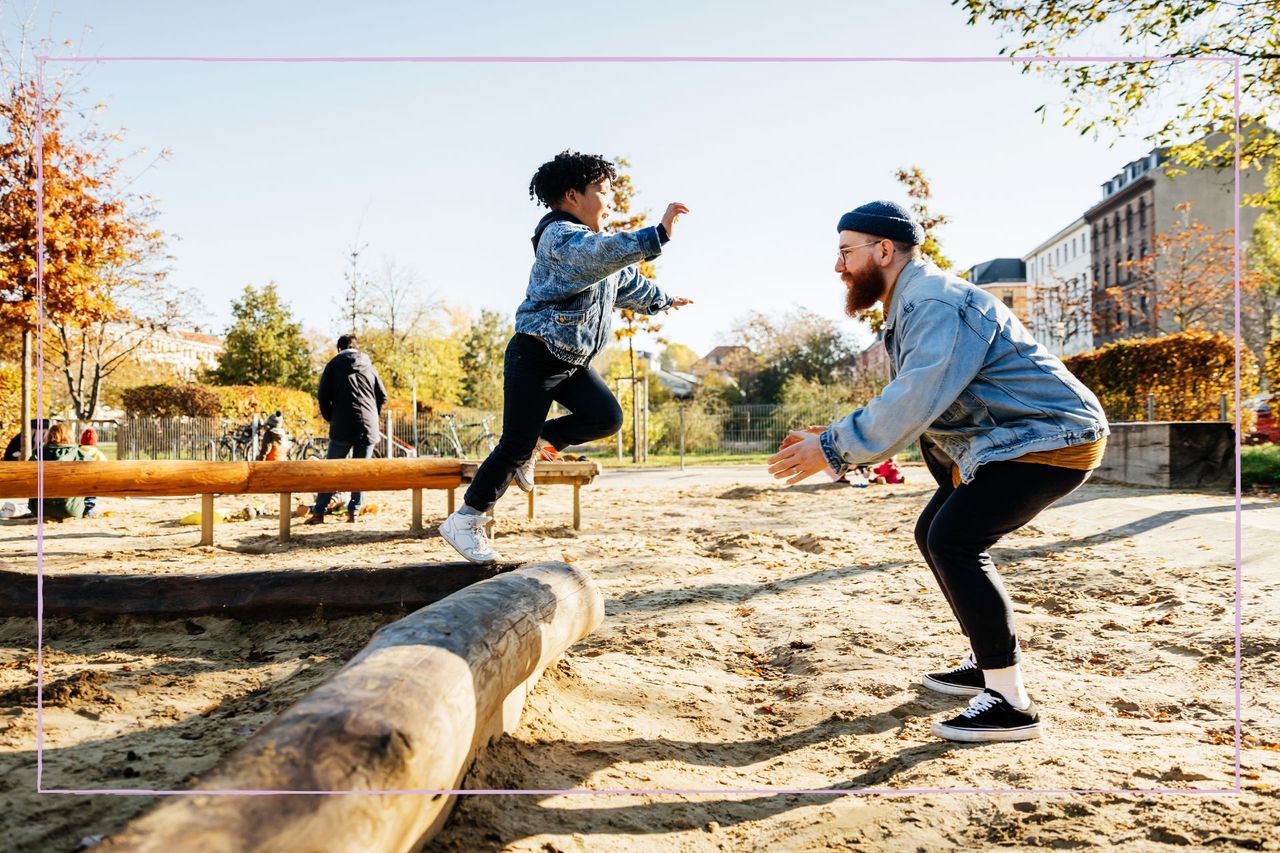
{"x": 579, "y": 276}
{"x": 965, "y": 372}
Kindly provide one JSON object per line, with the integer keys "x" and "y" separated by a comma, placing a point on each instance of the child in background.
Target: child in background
{"x": 889, "y": 473}
{"x": 89, "y": 446}
{"x": 58, "y": 448}
{"x": 275, "y": 440}
{"x": 89, "y": 450}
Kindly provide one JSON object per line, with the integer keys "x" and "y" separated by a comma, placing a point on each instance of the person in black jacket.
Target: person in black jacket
{"x": 13, "y": 450}
{"x": 351, "y": 395}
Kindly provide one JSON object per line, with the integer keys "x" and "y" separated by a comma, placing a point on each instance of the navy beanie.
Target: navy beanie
{"x": 883, "y": 219}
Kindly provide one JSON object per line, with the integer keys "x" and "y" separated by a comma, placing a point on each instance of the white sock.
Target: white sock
{"x": 467, "y": 509}
{"x": 1008, "y": 683}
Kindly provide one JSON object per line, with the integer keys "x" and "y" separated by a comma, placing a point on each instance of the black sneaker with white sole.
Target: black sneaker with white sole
{"x": 965, "y": 680}
{"x": 990, "y": 717}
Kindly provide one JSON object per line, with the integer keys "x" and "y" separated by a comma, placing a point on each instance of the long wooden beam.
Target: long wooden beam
{"x": 158, "y": 478}
{"x": 408, "y": 713}
{"x": 122, "y": 479}
{"x": 274, "y": 594}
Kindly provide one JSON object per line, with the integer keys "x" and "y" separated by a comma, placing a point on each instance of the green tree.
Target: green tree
{"x": 802, "y": 344}
{"x": 265, "y": 344}
{"x": 481, "y": 360}
{"x": 1111, "y": 94}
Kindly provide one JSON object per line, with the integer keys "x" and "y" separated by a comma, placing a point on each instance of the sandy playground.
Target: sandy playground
{"x": 757, "y": 637}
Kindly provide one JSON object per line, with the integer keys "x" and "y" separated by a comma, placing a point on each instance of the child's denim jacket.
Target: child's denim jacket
{"x": 579, "y": 276}
{"x": 966, "y": 373}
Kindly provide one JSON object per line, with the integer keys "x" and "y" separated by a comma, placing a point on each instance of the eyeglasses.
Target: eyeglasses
{"x": 859, "y": 246}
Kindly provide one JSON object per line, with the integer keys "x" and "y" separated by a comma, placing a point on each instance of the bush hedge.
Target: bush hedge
{"x": 1185, "y": 372}
{"x": 235, "y": 402}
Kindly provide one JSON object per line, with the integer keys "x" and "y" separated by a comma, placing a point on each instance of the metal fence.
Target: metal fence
{"x": 169, "y": 438}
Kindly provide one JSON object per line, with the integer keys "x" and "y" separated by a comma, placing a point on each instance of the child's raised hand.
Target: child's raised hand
{"x": 680, "y": 302}
{"x": 674, "y": 211}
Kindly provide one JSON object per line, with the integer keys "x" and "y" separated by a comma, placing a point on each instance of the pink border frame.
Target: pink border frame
{"x": 1233, "y": 61}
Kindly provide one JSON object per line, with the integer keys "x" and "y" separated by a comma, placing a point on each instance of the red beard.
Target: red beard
{"x": 863, "y": 288}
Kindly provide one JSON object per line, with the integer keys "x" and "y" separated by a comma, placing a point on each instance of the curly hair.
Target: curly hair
{"x": 568, "y": 171}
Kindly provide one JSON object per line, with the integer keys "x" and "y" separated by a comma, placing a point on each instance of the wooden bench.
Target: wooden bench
{"x": 576, "y": 474}
{"x": 207, "y": 479}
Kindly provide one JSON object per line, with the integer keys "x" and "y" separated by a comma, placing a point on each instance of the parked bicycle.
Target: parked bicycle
{"x": 453, "y": 442}
{"x": 400, "y": 448}
{"x": 236, "y": 442}
{"x": 311, "y": 447}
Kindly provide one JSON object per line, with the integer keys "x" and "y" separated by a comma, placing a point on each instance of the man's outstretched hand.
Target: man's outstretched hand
{"x": 799, "y": 457}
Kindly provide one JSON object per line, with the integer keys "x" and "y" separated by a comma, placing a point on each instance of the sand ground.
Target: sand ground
{"x": 757, "y": 638}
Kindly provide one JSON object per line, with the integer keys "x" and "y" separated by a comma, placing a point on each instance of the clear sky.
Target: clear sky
{"x": 276, "y": 166}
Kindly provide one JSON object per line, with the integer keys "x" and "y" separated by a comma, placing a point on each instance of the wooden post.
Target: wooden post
{"x": 286, "y": 514}
{"x": 531, "y": 501}
{"x": 206, "y": 519}
{"x": 577, "y": 509}
{"x": 409, "y": 713}
{"x": 453, "y": 500}
{"x": 415, "y": 524}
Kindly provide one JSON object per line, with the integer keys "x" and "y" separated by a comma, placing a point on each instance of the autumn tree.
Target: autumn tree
{"x": 919, "y": 191}
{"x": 93, "y": 239}
{"x": 482, "y": 357}
{"x": 677, "y": 356}
{"x": 1186, "y": 283}
{"x": 264, "y": 344}
{"x": 1112, "y": 94}
{"x": 633, "y": 322}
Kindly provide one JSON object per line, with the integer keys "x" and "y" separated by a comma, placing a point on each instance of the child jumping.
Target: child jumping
{"x": 579, "y": 277}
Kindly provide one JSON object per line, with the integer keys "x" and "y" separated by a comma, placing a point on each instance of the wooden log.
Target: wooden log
{"x": 129, "y": 478}
{"x": 151, "y": 478}
{"x": 274, "y": 594}
{"x": 286, "y": 515}
{"x": 408, "y": 713}
{"x": 206, "y": 519}
{"x": 324, "y": 475}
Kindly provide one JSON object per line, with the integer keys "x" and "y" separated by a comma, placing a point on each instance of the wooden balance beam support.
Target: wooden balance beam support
{"x": 165, "y": 478}
{"x": 409, "y": 713}
{"x": 576, "y": 474}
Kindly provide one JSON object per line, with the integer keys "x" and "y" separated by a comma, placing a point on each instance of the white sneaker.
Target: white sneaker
{"x": 469, "y": 537}
{"x": 524, "y": 474}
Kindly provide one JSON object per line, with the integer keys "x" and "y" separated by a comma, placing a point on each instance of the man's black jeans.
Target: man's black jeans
{"x": 957, "y": 527}
{"x": 532, "y": 379}
{"x": 341, "y": 450}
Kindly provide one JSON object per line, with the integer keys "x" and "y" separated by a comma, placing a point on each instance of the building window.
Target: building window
{"x": 1128, "y": 221}
{"x": 1097, "y": 279}
{"x": 1115, "y": 227}
{"x": 1142, "y": 213}
{"x": 1129, "y": 266}
{"x": 1106, "y": 276}
{"x": 1117, "y": 263}
{"x": 1008, "y": 298}
{"x": 1143, "y": 252}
